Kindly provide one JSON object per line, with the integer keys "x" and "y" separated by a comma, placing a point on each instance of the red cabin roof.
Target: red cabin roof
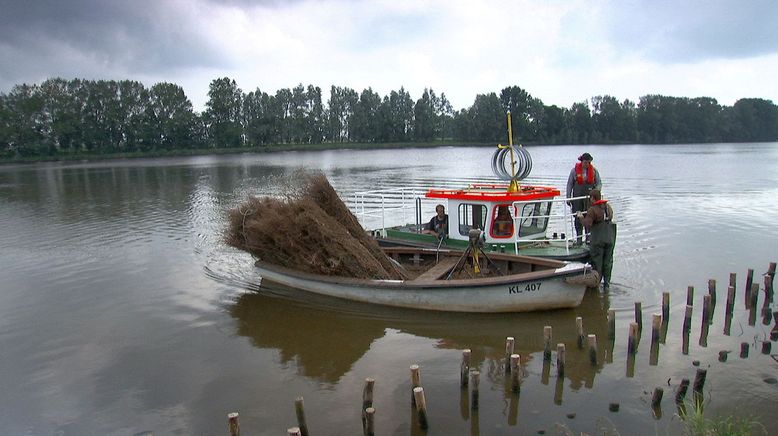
{"x": 494, "y": 193}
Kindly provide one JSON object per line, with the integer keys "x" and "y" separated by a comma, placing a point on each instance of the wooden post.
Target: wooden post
{"x": 690, "y": 296}
{"x": 421, "y": 406}
{"x": 464, "y": 368}
{"x": 687, "y": 319}
{"x": 293, "y": 431}
{"x": 415, "y": 381}
{"x": 579, "y": 329}
{"x": 560, "y": 360}
{"x": 367, "y": 400}
{"x": 370, "y": 421}
{"x": 706, "y": 309}
{"x": 632, "y": 343}
{"x": 515, "y": 372}
{"x": 656, "y": 324}
{"x": 611, "y": 324}
{"x": 666, "y": 306}
{"x": 547, "y": 342}
{"x": 592, "y": 349}
{"x": 699, "y": 380}
{"x": 681, "y": 394}
{"x": 733, "y": 280}
{"x": 768, "y": 288}
{"x": 743, "y": 350}
{"x": 685, "y": 342}
{"x": 656, "y": 399}
{"x": 754, "y": 296}
{"x": 730, "y": 299}
{"x": 749, "y": 282}
{"x": 233, "y": 423}
{"x": 766, "y": 347}
{"x": 474, "y": 379}
{"x": 509, "y": 341}
{"x": 712, "y": 293}
{"x": 299, "y": 410}
{"x": 639, "y": 314}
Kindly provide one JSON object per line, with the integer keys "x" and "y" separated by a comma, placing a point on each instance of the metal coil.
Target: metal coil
{"x": 501, "y": 163}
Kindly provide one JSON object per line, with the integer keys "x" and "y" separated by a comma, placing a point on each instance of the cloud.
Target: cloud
{"x": 559, "y": 51}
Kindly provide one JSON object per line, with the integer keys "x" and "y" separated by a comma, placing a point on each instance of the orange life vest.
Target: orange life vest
{"x": 579, "y": 179}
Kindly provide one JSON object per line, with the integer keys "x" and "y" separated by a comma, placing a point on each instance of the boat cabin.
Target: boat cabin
{"x": 503, "y": 216}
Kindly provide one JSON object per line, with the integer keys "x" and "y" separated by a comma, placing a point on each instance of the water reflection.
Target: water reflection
{"x": 324, "y": 337}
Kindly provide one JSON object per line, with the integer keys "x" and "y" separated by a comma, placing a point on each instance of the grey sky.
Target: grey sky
{"x": 559, "y": 51}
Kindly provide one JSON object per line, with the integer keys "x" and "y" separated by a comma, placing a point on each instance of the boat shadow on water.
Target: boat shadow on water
{"x": 330, "y": 335}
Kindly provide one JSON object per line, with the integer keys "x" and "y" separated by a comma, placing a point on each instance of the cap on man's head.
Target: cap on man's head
{"x": 585, "y": 156}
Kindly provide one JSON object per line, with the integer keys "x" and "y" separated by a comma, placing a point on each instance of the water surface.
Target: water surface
{"x": 121, "y": 310}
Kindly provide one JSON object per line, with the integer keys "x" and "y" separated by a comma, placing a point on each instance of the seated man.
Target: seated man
{"x": 438, "y": 225}
{"x": 503, "y": 223}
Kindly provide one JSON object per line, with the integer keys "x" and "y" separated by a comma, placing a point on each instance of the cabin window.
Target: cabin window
{"x": 471, "y": 216}
{"x": 534, "y": 218}
{"x": 502, "y": 221}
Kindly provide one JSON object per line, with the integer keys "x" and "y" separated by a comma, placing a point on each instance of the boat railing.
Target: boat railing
{"x": 560, "y": 223}
{"x": 381, "y": 208}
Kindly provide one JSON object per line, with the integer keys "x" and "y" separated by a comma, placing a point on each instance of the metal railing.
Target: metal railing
{"x": 555, "y": 221}
{"x": 380, "y": 208}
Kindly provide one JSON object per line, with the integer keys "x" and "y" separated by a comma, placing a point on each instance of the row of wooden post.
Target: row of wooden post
{"x": 470, "y": 378}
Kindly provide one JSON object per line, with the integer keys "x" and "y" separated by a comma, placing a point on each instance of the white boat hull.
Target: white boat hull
{"x": 539, "y": 290}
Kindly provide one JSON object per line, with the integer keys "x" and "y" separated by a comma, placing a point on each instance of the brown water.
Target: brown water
{"x": 121, "y": 311}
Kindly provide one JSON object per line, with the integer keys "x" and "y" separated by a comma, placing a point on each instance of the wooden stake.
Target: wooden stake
{"x": 508, "y": 352}
{"x": 733, "y": 280}
{"x": 415, "y": 381}
{"x": 299, "y": 410}
{"x": 754, "y": 296}
{"x": 699, "y": 380}
{"x": 421, "y": 406}
{"x": 687, "y": 319}
{"x": 706, "y": 309}
{"x": 593, "y": 349}
{"x": 743, "y": 350}
{"x": 766, "y": 347}
{"x": 749, "y": 282}
{"x": 730, "y": 299}
{"x": 681, "y": 394}
{"x": 515, "y": 360}
{"x": 639, "y": 314}
{"x": 474, "y": 379}
{"x": 547, "y": 342}
{"x": 690, "y": 296}
{"x": 656, "y": 399}
{"x": 293, "y": 431}
{"x": 464, "y": 368}
{"x": 656, "y": 324}
{"x": 560, "y": 360}
{"x": 611, "y": 324}
{"x": 367, "y": 400}
{"x": 233, "y": 423}
{"x": 666, "y": 306}
{"x": 632, "y": 343}
{"x": 370, "y": 421}
{"x": 580, "y": 330}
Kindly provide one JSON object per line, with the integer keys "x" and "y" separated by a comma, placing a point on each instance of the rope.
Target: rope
{"x": 502, "y": 156}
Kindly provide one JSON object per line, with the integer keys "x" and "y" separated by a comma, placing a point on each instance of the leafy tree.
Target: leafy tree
{"x": 364, "y": 125}
{"x": 223, "y": 113}
{"x": 424, "y": 117}
{"x": 169, "y": 118}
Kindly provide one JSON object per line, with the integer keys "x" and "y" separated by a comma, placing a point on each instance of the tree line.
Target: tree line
{"x": 60, "y": 117}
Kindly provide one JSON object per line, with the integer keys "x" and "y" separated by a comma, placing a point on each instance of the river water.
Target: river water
{"x": 122, "y": 312}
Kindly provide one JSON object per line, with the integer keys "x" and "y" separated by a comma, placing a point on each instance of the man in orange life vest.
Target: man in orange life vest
{"x": 583, "y": 178}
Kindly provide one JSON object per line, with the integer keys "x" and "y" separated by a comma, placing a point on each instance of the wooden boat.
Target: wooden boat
{"x": 457, "y": 281}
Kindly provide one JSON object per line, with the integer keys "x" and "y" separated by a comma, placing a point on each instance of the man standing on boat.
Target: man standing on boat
{"x": 583, "y": 178}
{"x": 599, "y": 221}
{"x": 438, "y": 225}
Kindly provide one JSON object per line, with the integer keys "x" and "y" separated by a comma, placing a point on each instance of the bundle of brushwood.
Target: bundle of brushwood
{"x": 308, "y": 229}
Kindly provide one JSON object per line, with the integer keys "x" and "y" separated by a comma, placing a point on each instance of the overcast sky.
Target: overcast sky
{"x": 559, "y": 51}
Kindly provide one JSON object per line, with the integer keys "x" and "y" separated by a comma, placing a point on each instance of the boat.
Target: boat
{"x": 453, "y": 280}
{"x": 525, "y": 219}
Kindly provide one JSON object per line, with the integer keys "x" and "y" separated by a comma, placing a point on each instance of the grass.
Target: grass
{"x": 696, "y": 424}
